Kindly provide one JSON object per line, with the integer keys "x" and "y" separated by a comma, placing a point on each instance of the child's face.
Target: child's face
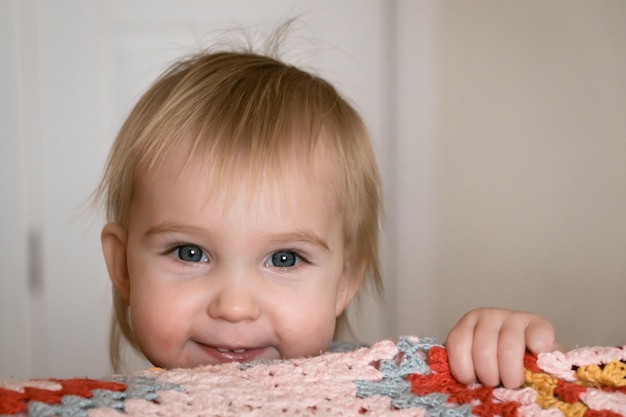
{"x": 212, "y": 280}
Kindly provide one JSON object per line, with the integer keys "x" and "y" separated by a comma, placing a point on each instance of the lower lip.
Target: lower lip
{"x": 230, "y": 356}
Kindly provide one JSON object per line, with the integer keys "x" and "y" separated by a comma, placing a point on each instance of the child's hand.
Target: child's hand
{"x": 488, "y": 345}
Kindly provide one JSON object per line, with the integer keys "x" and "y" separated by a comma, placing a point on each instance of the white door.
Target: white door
{"x": 84, "y": 63}
{"x": 14, "y": 279}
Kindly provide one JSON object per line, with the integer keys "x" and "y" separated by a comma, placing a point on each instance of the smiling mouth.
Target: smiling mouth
{"x": 223, "y": 355}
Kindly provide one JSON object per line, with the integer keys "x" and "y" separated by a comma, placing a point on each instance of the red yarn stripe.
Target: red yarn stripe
{"x": 530, "y": 363}
{"x": 13, "y": 402}
{"x": 568, "y": 392}
{"x": 441, "y": 380}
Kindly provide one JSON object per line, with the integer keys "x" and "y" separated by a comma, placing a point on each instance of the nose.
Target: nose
{"x": 235, "y": 301}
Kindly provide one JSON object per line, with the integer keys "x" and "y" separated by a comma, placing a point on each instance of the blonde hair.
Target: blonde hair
{"x": 241, "y": 111}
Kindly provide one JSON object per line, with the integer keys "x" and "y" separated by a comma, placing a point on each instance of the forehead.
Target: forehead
{"x": 242, "y": 181}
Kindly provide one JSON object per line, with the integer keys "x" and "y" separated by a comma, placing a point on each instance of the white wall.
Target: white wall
{"x": 13, "y": 227}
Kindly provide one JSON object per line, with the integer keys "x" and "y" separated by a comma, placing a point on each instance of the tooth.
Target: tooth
{"x": 223, "y": 350}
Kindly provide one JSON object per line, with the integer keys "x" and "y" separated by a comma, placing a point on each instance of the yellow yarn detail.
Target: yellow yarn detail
{"x": 544, "y": 385}
{"x": 572, "y": 410}
{"x": 613, "y": 374}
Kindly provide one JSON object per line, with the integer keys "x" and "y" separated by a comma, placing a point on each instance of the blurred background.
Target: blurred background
{"x": 500, "y": 128}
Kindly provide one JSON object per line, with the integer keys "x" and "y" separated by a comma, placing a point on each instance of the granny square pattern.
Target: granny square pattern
{"x": 406, "y": 377}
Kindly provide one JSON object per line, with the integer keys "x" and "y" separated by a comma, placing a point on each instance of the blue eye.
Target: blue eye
{"x": 283, "y": 259}
{"x": 190, "y": 253}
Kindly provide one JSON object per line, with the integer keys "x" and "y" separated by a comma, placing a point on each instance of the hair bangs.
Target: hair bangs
{"x": 255, "y": 126}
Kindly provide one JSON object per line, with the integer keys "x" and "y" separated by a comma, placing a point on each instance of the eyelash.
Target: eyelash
{"x": 177, "y": 246}
{"x": 171, "y": 250}
{"x": 303, "y": 259}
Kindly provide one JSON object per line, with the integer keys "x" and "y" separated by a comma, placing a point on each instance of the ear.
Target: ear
{"x": 351, "y": 280}
{"x": 114, "y": 240}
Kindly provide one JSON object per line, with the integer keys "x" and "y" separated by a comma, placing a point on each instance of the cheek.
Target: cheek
{"x": 160, "y": 308}
{"x": 306, "y": 325}
{"x": 160, "y": 321}
{"x": 159, "y": 329}
{"x": 321, "y": 333}
{"x": 151, "y": 320}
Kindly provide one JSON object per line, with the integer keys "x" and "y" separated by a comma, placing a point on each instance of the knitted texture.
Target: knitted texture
{"x": 409, "y": 377}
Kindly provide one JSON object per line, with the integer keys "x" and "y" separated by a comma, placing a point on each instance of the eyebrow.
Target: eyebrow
{"x": 170, "y": 227}
{"x": 303, "y": 236}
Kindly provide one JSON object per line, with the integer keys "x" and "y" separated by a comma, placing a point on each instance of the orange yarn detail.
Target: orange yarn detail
{"x": 14, "y": 402}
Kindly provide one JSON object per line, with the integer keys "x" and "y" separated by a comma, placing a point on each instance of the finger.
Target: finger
{"x": 485, "y": 351}
{"x": 540, "y": 336}
{"x": 511, "y": 349}
{"x": 459, "y": 348}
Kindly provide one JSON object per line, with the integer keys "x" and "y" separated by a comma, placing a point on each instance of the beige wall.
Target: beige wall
{"x": 530, "y": 163}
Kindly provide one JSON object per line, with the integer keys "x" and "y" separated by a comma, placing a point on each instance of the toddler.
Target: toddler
{"x": 243, "y": 198}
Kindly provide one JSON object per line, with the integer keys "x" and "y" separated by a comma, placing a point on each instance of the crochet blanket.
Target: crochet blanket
{"x": 407, "y": 377}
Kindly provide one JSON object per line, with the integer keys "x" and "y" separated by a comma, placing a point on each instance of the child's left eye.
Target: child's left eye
{"x": 283, "y": 259}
